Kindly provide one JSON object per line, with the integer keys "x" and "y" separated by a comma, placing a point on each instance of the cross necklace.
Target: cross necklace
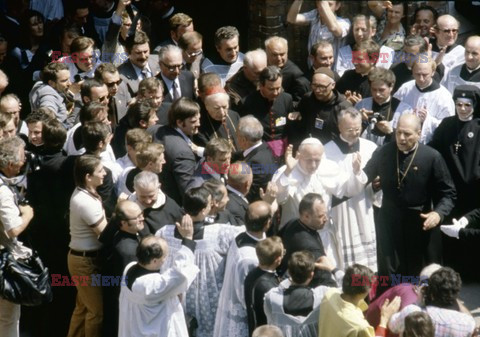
{"x": 401, "y": 175}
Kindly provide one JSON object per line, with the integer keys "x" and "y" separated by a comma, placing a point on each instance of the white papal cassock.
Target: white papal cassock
{"x": 328, "y": 180}
{"x": 152, "y": 307}
{"x": 353, "y": 222}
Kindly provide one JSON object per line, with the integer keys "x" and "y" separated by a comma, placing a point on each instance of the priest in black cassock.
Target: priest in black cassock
{"x": 418, "y": 193}
{"x": 457, "y": 139}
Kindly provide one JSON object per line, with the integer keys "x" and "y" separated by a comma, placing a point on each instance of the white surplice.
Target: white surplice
{"x": 328, "y": 180}
{"x": 453, "y": 58}
{"x": 353, "y": 222}
{"x": 453, "y": 79}
{"x": 231, "y": 319}
{"x": 293, "y": 326}
{"x": 439, "y": 104}
{"x": 152, "y": 308}
{"x": 210, "y": 252}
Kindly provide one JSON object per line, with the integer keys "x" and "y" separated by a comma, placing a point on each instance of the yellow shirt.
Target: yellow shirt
{"x": 339, "y": 318}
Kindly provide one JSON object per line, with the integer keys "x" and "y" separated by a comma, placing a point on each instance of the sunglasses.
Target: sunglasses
{"x": 111, "y": 84}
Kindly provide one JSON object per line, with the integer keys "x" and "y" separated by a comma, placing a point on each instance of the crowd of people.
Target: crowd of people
{"x": 236, "y": 194}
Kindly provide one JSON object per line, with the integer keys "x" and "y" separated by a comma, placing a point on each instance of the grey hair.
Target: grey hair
{"x": 277, "y": 39}
{"x": 251, "y": 128}
{"x": 415, "y": 40}
{"x": 145, "y": 179}
{"x": 168, "y": 49}
{"x": 251, "y": 55}
{"x": 267, "y": 331}
{"x": 9, "y": 151}
{"x": 350, "y": 111}
{"x": 9, "y": 98}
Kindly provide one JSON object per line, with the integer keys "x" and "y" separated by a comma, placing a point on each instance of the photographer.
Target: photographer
{"x": 14, "y": 219}
{"x": 381, "y": 111}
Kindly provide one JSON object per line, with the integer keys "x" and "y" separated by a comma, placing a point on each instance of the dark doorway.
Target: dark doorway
{"x": 210, "y": 15}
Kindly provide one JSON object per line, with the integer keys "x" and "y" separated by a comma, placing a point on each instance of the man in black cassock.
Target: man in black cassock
{"x": 413, "y": 177}
{"x": 457, "y": 138}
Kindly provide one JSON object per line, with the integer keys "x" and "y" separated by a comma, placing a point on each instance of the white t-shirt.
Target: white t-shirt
{"x": 86, "y": 210}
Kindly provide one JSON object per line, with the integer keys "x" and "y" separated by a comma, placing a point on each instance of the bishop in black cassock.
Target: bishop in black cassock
{"x": 413, "y": 178}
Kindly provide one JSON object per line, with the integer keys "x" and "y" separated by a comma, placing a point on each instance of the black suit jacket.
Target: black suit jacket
{"x": 237, "y": 207}
{"x": 130, "y": 78}
{"x": 180, "y": 163}
{"x": 187, "y": 83}
{"x": 263, "y": 166}
{"x": 297, "y": 237}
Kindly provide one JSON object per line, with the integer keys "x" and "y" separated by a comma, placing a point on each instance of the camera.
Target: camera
{"x": 33, "y": 162}
{"x": 375, "y": 118}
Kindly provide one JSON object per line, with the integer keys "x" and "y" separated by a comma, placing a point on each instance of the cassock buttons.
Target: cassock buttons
{"x": 470, "y": 135}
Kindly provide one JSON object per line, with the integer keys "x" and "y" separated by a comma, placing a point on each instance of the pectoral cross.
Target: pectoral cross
{"x": 457, "y": 145}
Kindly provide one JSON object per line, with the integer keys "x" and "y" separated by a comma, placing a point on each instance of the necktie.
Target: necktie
{"x": 145, "y": 73}
{"x": 176, "y": 94}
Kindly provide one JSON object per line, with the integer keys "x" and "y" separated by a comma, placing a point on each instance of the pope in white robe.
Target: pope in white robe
{"x": 213, "y": 242}
{"x": 429, "y": 100}
{"x": 353, "y": 221}
{"x": 311, "y": 172}
{"x": 151, "y": 307}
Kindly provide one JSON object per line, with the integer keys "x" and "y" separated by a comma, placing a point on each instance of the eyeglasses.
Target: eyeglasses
{"x": 195, "y": 53}
{"x": 321, "y": 87}
{"x": 448, "y": 31}
{"x": 111, "y": 84}
{"x": 172, "y": 67}
{"x": 354, "y": 130}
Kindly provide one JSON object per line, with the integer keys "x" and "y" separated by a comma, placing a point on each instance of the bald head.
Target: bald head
{"x": 258, "y": 217}
{"x": 408, "y": 132}
{"x": 446, "y": 30}
{"x": 152, "y": 252}
{"x": 240, "y": 177}
{"x": 267, "y": 331}
{"x": 472, "y": 52}
{"x": 410, "y": 120}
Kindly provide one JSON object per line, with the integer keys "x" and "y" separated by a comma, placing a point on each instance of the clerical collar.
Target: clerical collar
{"x": 411, "y": 150}
{"x": 250, "y": 149}
{"x": 429, "y": 88}
{"x": 381, "y": 105}
{"x": 264, "y": 236}
{"x": 472, "y": 70}
{"x": 267, "y": 270}
{"x": 346, "y": 141}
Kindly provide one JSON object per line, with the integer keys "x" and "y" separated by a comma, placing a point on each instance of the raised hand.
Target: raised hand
{"x": 270, "y": 193}
{"x": 356, "y": 162}
{"x": 290, "y": 161}
{"x": 185, "y": 227}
